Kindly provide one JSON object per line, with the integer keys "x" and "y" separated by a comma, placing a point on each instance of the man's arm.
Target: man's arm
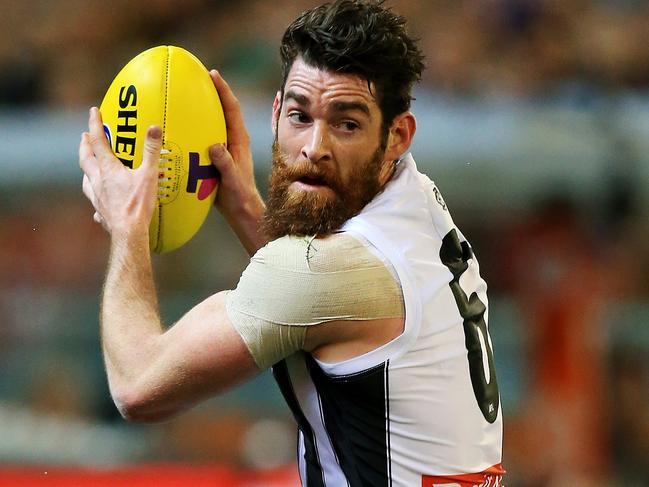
{"x": 237, "y": 199}
{"x": 152, "y": 373}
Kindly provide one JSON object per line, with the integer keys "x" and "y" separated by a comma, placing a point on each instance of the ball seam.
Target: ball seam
{"x": 164, "y": 140}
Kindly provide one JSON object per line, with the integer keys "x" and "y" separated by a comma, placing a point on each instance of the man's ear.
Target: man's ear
{"x": 277, "y": 108}
{"x": 400, "y": 135}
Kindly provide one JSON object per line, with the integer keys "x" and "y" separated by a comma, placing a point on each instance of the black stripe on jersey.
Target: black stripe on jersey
{"x": 314, "y": 473}
{"x": 354, "y": 408}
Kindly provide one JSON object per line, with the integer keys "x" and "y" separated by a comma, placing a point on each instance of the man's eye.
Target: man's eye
{"x": 349, "y": 126}
{"x": 298, "y": 117}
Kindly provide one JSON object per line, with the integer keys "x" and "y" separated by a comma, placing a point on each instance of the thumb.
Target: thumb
{"x": 221, "y": 158}
{"x": 152, "y": 147}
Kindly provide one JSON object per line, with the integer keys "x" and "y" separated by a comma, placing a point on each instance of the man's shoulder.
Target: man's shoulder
{"x": 336, "y": 252}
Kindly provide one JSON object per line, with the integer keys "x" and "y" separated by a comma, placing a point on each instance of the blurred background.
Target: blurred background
{"x": 534, "y": 122}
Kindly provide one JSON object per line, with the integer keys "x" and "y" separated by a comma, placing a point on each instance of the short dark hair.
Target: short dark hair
{"x": 359, "y": 37}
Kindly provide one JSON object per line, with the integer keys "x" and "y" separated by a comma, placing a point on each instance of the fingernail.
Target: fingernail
{"x": 155, "y": 132}
{"x": 217, "y": 149}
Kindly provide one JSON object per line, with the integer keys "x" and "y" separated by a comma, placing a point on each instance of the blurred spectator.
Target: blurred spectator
{"x": 555, "y": 275}
{"x": 65, "y": 53}
{"x": 20, "y": 83}
{"x": 628, "y": 398}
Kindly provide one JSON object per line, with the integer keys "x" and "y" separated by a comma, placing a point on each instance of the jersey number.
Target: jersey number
{"x": 455, "y": 255}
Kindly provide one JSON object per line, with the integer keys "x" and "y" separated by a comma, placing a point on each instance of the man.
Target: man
{"x": 366, "y": 300}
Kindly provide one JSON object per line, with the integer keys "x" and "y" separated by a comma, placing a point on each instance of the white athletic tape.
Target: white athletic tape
{"x": 296, "y": 282}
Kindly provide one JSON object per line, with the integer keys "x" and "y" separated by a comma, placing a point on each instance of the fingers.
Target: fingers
{"x": 116, "y": 192}
{"x": 90, "y": 194}
{"x": 218, "y": 153}
{"x": 87, "y": 160}
{"x": 86, "y": 187}
{"x": 97, "y": 138}
{"x": 152, "y": 147}
{"x": 221, "y": 158}
{"x": 236, "y": 127}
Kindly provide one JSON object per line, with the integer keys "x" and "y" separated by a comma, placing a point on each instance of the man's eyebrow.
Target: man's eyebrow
{"x": 300, "y": 99}
{"x": 344, "y": 106}
{"x": 339, "y": 106}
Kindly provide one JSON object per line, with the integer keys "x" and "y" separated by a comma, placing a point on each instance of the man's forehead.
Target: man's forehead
{"x": 312, "y": 83}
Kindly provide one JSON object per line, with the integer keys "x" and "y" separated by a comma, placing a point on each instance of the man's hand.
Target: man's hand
{"x": 237, "y": 199}
{"x": 123, "y": 198}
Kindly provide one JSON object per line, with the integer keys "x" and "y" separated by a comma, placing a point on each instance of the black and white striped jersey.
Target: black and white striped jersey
{"x": 425, "y": 405}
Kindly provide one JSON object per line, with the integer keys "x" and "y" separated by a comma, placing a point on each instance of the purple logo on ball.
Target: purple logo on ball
{"x": 207, "y": 175}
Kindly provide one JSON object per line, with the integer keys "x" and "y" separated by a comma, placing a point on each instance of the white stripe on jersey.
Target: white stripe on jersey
{"x": 309, "y": 400}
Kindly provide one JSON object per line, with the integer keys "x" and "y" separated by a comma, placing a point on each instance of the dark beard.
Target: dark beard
{"x": 310, "y": 213}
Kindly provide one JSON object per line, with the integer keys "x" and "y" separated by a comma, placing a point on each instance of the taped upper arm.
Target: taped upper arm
{"x": 295, "y": 282}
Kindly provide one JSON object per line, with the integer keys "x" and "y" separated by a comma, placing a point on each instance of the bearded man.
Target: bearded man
{"x": 361, "y": 293}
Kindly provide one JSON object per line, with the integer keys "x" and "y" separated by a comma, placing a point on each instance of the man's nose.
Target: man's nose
{"x": 317, "y": 147}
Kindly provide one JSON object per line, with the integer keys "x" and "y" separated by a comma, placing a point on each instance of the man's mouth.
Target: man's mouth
{"x": 312, "y": 181}
{"x": 306, "y": 183}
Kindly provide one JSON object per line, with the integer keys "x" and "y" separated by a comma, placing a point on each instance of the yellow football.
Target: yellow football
{"x": 170, "y": 87}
